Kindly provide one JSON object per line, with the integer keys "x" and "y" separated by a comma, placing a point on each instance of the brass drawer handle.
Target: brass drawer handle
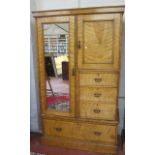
{"x": 97, "y": 110}
{"x": 98, "y": 79}
{"x": 97, "y": 133}
{"x": 97, "y": 94}
{"x": 58, "y": 129}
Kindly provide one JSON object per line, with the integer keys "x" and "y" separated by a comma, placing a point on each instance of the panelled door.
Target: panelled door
{"x": 98, "y": 41}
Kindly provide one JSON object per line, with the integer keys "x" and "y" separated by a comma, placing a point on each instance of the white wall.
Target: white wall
{"x": 59, "y": 4}
{"x": 34, "y": 99}
{"x": 56, "y": 4}
{"x": 90, "y": 3}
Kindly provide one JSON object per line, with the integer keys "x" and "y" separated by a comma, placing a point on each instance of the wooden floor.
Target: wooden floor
{"x": 36, "y": 146}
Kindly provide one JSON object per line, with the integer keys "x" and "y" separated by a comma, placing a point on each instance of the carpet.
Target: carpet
{"x": 55, "y": 99}
{"x": 60, "y": 103}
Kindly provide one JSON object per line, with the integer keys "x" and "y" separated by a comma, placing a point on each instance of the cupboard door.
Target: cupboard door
{"x": 55, "y": 37}
{"x": 99, "y": 41}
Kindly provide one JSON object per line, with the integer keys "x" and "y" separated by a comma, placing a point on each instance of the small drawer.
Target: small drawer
{"x": 101, "y": 79}
{"x": 98, "y": 94}
{"x": 98, "y": 111}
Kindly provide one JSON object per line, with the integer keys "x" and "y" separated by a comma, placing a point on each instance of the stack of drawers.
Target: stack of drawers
{"x": 98, "y": 95}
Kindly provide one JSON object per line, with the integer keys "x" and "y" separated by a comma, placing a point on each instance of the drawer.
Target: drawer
{"x": 98, "y": 111}
{"x": 101, "y": 79}
{"x": 81, "y": 131}
{"x": 96, "y": 94}
{"x": 59, "y": 128}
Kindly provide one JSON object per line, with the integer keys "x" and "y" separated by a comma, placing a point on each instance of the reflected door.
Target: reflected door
{"x": 57, "y": 45}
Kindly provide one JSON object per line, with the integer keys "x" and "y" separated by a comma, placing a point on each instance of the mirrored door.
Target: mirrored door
{"x": 56, "y": 62}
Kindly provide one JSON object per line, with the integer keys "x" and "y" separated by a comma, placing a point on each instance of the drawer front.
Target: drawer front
{"x": 59, "y": 128}
{"x": 94, "y": 94}
{"x": 103, "y": 133}
{"x": 101, "y": 79}
{"x": 98, "y": 111}
{"x": 81, "y": 131}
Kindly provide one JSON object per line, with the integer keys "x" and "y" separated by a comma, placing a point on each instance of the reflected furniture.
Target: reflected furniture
{"x": 91, "y": 38}
{"x": 65, "y": 70}
{"x": 49, "y": 66}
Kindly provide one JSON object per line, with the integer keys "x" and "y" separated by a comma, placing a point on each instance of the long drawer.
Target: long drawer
{"x": 81, "y": 131}
{"x": 98, "y": 94}
{"x": 101, "y": 79}
{"x": 98, "y": 111}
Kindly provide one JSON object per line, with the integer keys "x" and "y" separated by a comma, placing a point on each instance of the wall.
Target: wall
{"x": 121, "y": 101}
{"x": 59, "y": 4}
{"x": 55, "y": 4}
{"x": 34, "y": 100}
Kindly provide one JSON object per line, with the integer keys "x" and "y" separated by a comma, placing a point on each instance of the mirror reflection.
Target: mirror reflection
{"x": 57, "y": 66}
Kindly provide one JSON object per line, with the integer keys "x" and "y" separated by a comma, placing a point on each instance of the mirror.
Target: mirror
{"x": 57, "y": 65}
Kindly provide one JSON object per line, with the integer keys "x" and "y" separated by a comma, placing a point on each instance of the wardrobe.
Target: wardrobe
{"x": 80, "y": 111}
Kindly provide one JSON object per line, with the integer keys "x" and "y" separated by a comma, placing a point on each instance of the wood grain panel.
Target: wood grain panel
{"x": 72, "y": 64}
{"x": 98, "y": 79}
{"x": 98, "y": 110}
{"x": 98, "y": 94}
{"x": 99, "y": 41}
{"x": 81, "y": 131}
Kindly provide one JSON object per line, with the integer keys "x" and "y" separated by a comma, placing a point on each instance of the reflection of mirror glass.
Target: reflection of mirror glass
{"x": 57, "y": 66}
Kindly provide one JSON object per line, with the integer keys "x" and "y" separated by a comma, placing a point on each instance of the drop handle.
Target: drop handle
{"x": 97, "y": 133}
{"x": 97, "y": 111}
{"x": 58, "y": 129}
{"x": 97, "y": 79}
{"x": 97, "y": 94}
